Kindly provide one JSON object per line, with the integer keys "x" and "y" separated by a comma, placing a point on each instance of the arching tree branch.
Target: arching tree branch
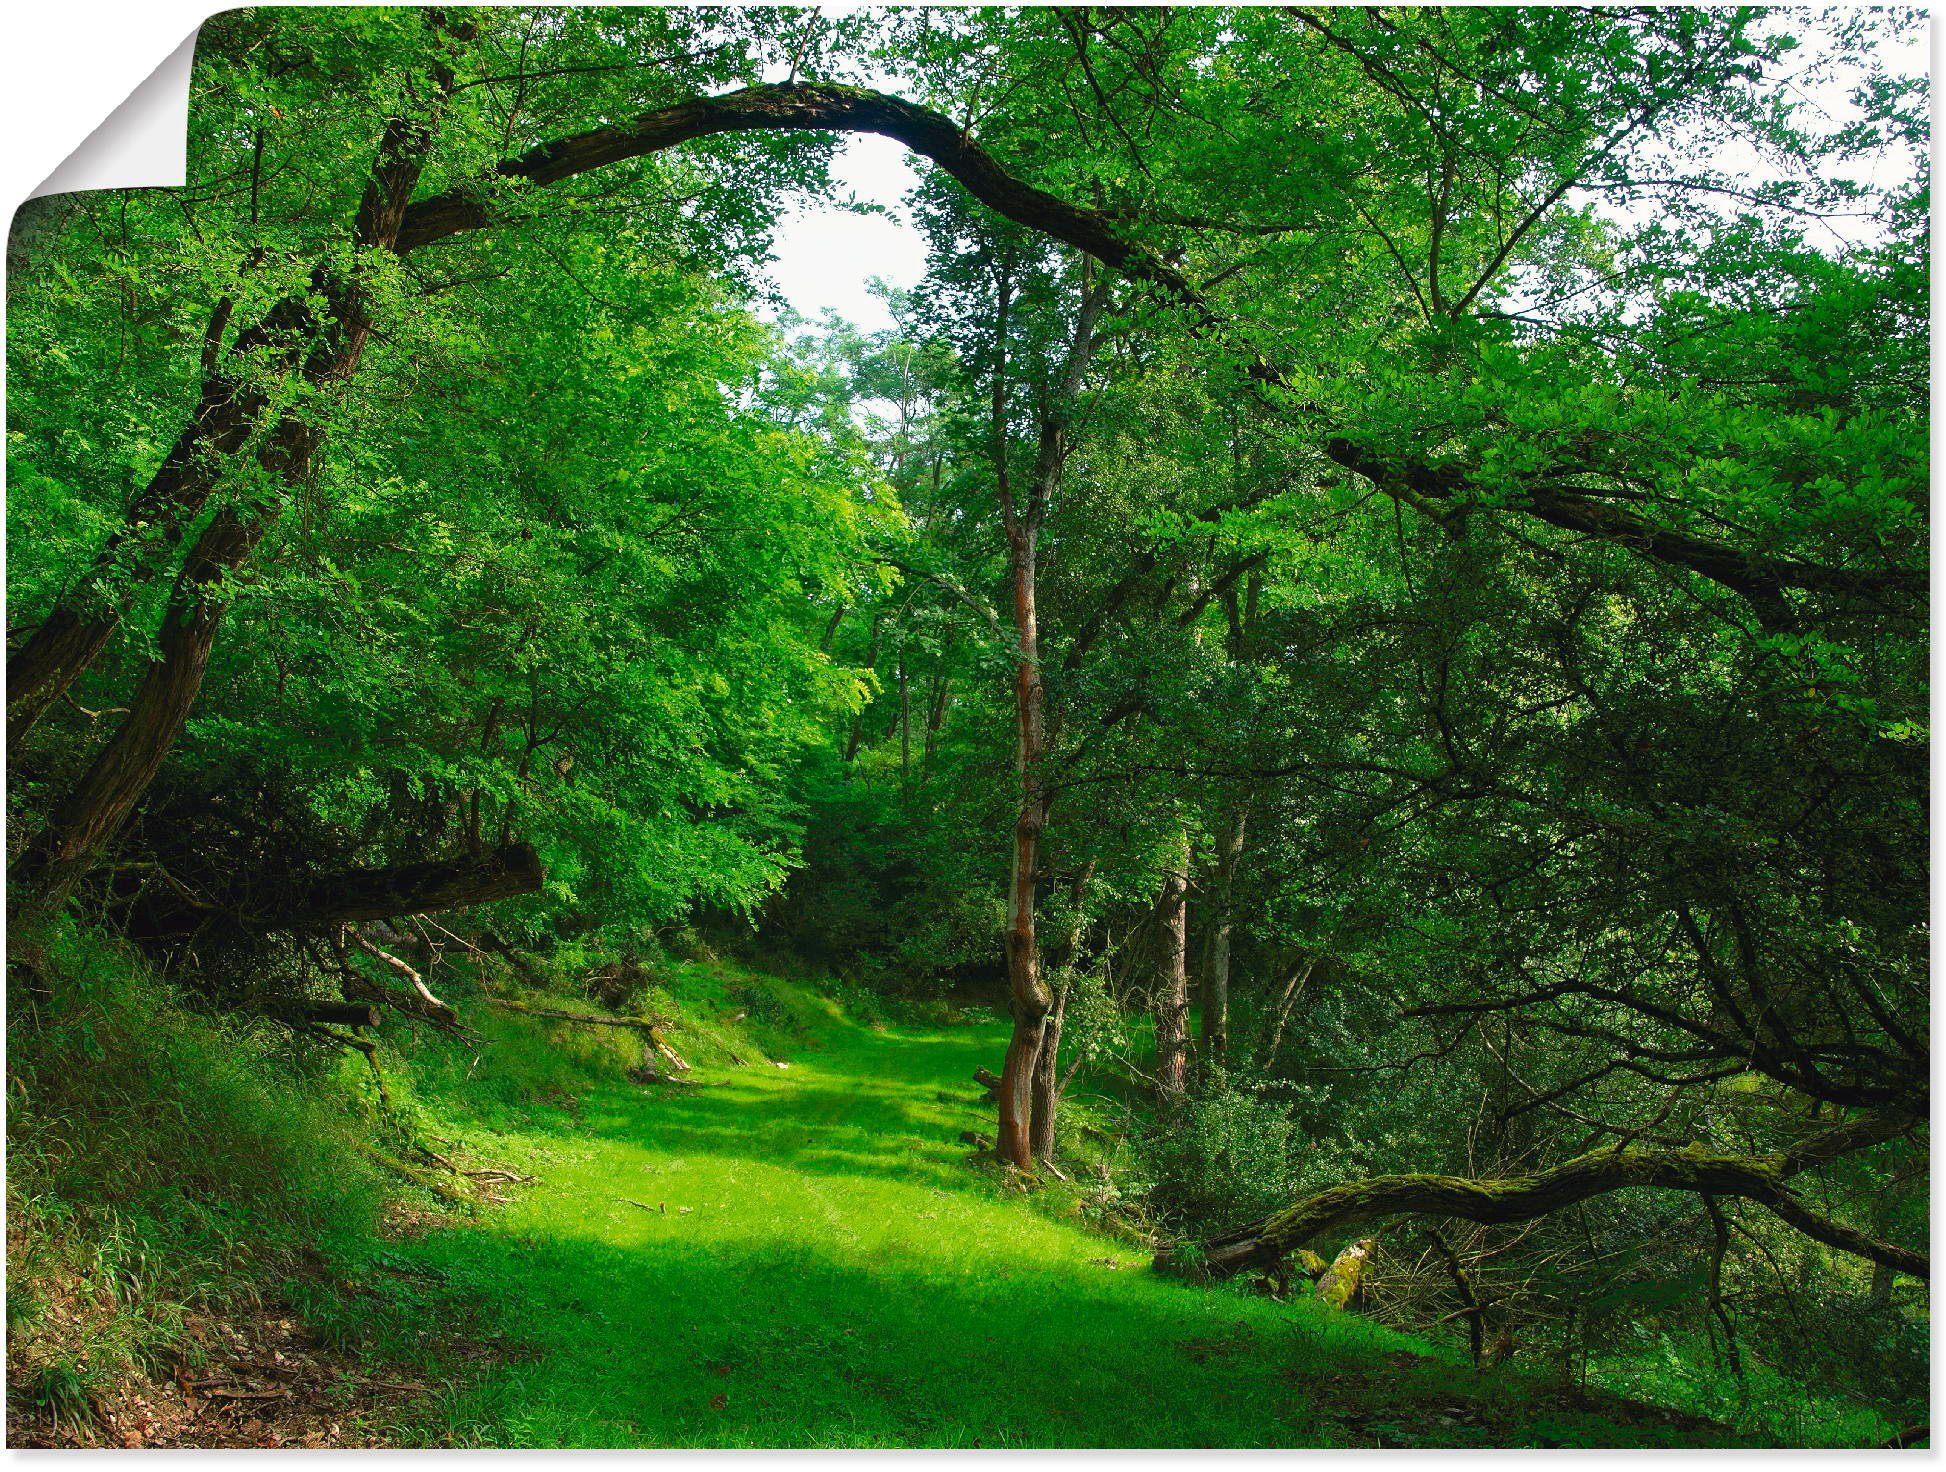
{"x": 1759, "y": 1178}
{"x": 804, "y": 107}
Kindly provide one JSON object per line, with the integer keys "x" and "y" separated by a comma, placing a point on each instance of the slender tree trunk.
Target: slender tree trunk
{"x": 1047, "y": 1079}
{"x": 935, "y": 709}
{"x": 905, "y": 723}
{"x": 935, "y": 718}
{"x": 1216, "y": 951}
{"x": 1883, "y": 1276}
{"x": 1172, "y": 978}
{"x": 1029, "y": 994}
{"x": 1286, "y": 1004}
{"x": 857, "y": 737}
{"x": 831, "y": 628}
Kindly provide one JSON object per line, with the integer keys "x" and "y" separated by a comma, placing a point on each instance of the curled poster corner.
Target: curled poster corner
{"x": 142, "y": 144}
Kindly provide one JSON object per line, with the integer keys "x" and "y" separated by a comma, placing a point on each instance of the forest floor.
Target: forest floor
{"x": 800, "y": 1252}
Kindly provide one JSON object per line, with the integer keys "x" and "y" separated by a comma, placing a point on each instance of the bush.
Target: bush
{"x": 1224, "y": 1158}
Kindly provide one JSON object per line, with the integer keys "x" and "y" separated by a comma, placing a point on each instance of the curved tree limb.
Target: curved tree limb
{"x": 805, "y": 107}
{"x": 1759, "y": 1178}
{"x": 69, "y": 640}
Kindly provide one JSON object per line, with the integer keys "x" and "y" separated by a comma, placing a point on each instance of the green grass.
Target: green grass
{"x": 807, "y": 1257}
{"x": 800, "y": 1256}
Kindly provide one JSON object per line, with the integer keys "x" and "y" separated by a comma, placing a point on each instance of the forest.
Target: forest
{"x": 1292, "y": 813}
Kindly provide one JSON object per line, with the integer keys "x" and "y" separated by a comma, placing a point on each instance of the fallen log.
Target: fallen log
{"x": 415, "y": 889}
{"x": 562, "y": 1014}
{"x": 417, "y": 1175}
{"x": 1762, "y": 1179}
{"x": 340, "y": 1014}
{"x": 987, "y": 1079}
{"x": 650, "y": 1028}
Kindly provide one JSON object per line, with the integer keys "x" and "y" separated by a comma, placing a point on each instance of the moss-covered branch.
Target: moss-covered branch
{"x": 1763, "y": 1179}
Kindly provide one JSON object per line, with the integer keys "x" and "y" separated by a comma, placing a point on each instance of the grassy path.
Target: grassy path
{"x": 804, "y": 1257}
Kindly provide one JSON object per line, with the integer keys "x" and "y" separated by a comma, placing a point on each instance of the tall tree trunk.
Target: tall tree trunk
{"x": 1172, "y": 978}
{"x": 1883, "y": 1276}
{"x": 1046, "y": 1104}
{"x": 82, "y": 823}
{"x": 1286, "y": 1003}
{"x": 1216, "y": 948}
{"x": 935, "y": 718}
{"x": 1028, "y": 993}
{"x": 905, "y": 722}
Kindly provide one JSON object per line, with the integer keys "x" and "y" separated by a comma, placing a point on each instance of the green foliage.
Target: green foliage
{"x": 1225, "y": 1156}
{"x": 1515, "y": 536}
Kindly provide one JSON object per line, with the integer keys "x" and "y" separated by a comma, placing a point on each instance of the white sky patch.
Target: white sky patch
{"x": 827, "y": 255}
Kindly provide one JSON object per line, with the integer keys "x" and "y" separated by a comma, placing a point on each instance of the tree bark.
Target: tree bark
{"x": 905, "y": 722}
{"x": 857, "y": 736}
{"x": 339, "y": 1014}
{"x": 1027, "y": 991}
{"x": 1172, "y": 978}
{"x": 1047, "y": 1078}
{"x": 1470, "y": 1306}
{"x": 1883, "y": 1277}
{"x": 416, "y": 889}
{"x": 935, "y": 718}
{"x": 1286, "y": 1004}
{"x": 1046, "y": 1102}
{"x": 1340, "y": 1282}
{"x": 1216, "y": 951}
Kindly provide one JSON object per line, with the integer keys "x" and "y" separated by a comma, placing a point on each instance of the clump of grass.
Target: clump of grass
{"x": 158, "y": 1160}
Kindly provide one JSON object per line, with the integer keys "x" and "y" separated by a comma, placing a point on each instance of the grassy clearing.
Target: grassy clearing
{"x": 806, "y": 1256}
